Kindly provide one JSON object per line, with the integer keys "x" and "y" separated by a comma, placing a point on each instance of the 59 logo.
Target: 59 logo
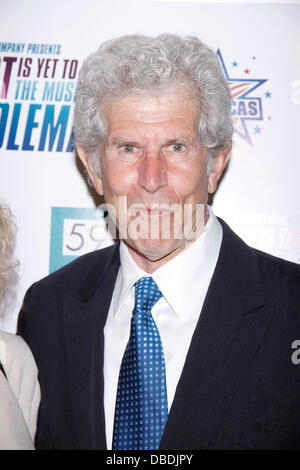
{"x": 74, "y": 232}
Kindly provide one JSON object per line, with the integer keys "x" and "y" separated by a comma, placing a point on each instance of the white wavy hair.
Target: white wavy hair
{"x": 136, "y": 63}
{"x": 8, "y": 263}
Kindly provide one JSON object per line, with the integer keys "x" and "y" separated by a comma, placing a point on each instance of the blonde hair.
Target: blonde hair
{"x": 8, "y": 263}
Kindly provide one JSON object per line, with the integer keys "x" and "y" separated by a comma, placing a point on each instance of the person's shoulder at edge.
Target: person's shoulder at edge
{"x": 22, "y": 375}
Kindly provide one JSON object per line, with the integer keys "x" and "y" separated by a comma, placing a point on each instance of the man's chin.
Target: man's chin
{"x": 155, "y": 250}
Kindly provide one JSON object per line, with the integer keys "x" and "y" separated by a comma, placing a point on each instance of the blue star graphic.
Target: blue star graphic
{"x": 235, "y": 64}
{"x": 268, "y": 94}
{"x": 257, "y": 130}
{"x": 240, "y": 89}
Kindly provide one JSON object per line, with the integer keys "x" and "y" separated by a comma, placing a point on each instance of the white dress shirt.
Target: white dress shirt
{"x": 183, "y": 282}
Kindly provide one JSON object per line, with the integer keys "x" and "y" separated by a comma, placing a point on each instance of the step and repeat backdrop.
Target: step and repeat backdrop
{"x": 42, "y": 46}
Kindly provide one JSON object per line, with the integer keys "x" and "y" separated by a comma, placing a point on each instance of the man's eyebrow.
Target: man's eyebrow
{"x": 177, "y": 139}
{"x": 180, "y": 139}
{"x": 123, "y": 141}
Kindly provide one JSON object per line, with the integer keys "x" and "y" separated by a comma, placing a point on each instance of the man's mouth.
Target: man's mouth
{"x": 152, "y": 210}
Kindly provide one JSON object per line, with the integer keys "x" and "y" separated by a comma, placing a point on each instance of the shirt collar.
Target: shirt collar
{"x": 128, "y": 274}
{"x": 177, "y": 278}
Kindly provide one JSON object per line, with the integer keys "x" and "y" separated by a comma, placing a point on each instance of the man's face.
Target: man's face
{"x": 153, "y": 157}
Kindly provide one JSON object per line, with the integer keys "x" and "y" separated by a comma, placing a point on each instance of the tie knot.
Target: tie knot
{"x": 147, "y": 293}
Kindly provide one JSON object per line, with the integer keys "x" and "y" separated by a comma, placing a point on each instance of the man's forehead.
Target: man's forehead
{"x": 164, "y": 109}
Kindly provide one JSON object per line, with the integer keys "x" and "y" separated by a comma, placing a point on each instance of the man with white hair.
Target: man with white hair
{"x": 179, "y": 336}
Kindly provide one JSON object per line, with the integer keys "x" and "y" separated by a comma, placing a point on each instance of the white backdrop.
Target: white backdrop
{"x": 41, "y": 48}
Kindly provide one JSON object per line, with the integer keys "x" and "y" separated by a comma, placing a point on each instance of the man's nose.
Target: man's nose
{"x": 152, "y": 172}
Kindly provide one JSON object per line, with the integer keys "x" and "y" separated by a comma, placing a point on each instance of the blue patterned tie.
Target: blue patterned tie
{"x": 142, "y": 407}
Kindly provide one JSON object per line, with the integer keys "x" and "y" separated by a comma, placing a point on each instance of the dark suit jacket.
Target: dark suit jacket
{"x": 239, "y": 388}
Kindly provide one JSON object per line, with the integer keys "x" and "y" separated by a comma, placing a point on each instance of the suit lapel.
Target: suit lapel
{"x": 85, "y": 315}
{"x": 231, "y": 326}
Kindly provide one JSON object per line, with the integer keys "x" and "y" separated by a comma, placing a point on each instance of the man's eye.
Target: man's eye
{"x": 177, "y": 148}
{"x": 128, "y": 148}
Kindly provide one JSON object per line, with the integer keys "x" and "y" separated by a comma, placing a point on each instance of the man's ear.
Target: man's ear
{"x": 96, "y": 179}
{"x": 220, "y": 162}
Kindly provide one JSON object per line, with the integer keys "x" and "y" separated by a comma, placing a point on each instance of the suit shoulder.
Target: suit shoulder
{"x": 274, "y": 266}
{"x": 270, "y": 266}
{"x": 281, "y": 280}
{"x": 72, "y": 276}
